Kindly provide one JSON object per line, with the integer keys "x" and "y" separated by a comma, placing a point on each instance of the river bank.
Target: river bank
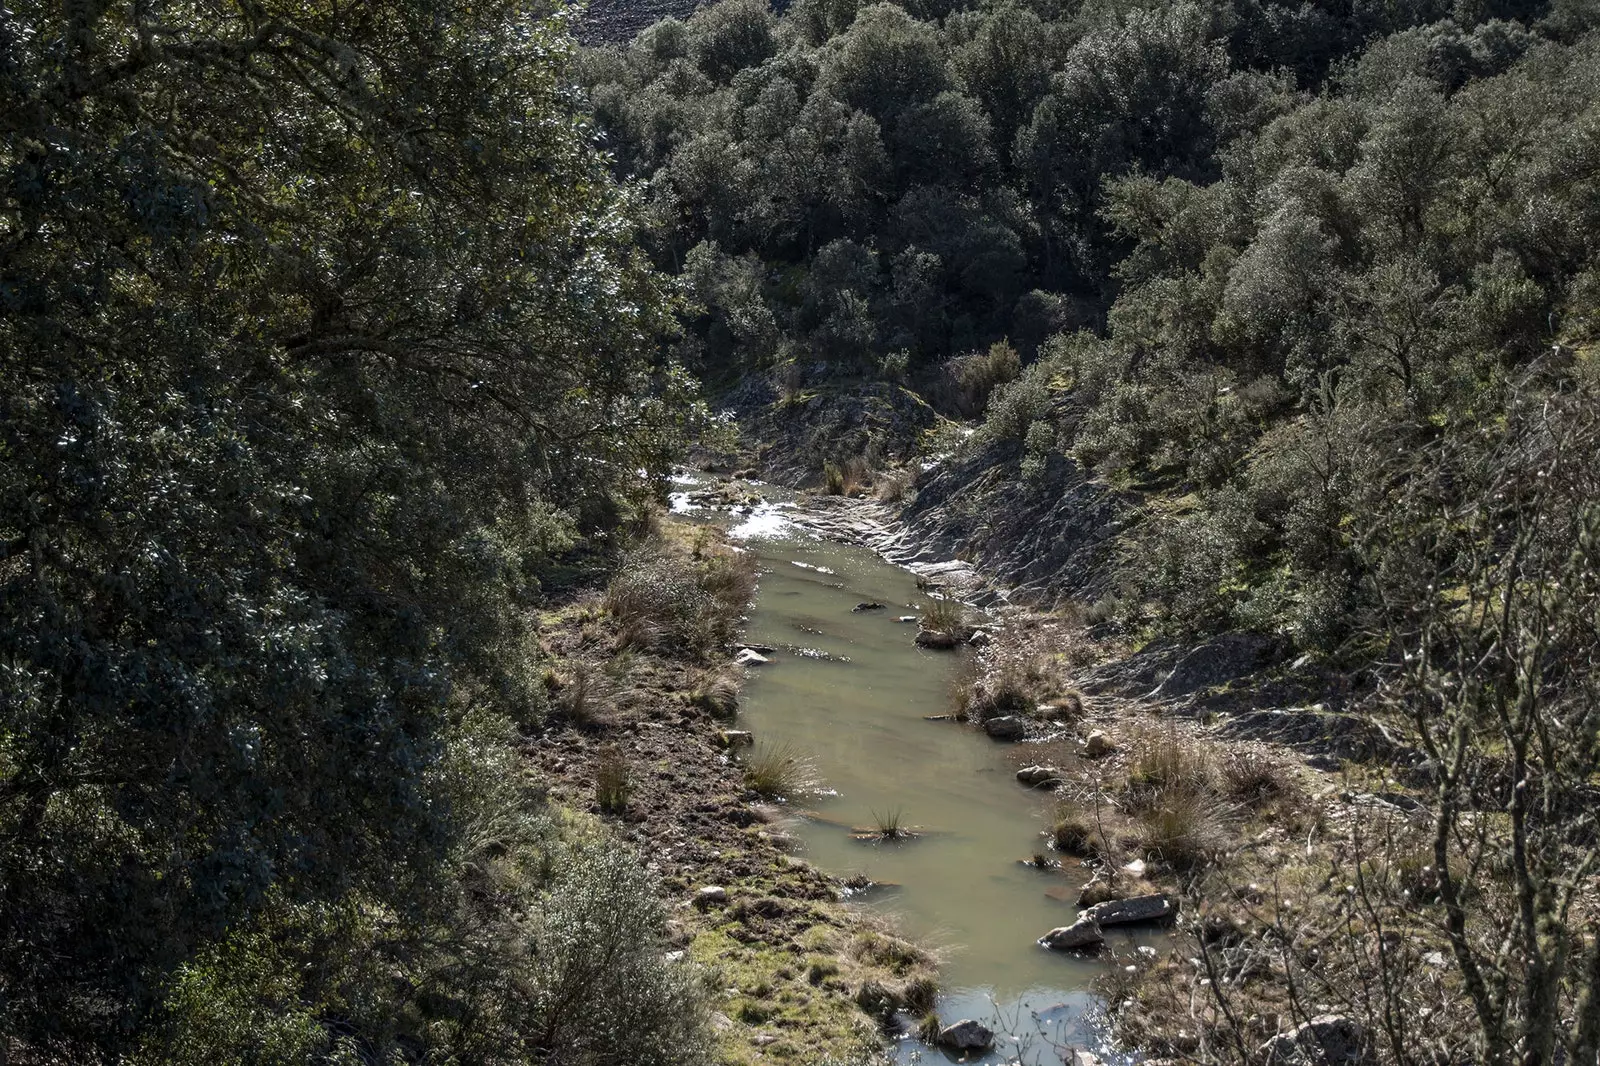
{"x": 1246, "y": 789}
{"x": 784, "y": 956}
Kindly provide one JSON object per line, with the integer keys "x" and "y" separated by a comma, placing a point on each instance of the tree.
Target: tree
{"x": 324, "y": 331}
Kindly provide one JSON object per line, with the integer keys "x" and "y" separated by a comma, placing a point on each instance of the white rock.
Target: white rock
{"x": 1039, "y": 776}
{"x": 737, "y": 738}
{"x": 978, "y": 639}
{"x": 711, "y": 894}
{"x": 1083, "y": 933}
{"x": 750, "y": 657}
{"x": 1083, "y": 1058}
{"x": 1136, "y": 868}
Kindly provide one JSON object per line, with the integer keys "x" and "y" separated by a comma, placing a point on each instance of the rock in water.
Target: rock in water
{"x": 966, "y": 1035}
{"x": 1083, "y": 933}
{"x": 749, "y": 657}
{"x": 1039, "y": 776}
{"x": 938, "y": 639}
{"x": 1134, "y": 909}
{"x": 1006, "y": 727}
{"x": 736, "y": 738}
{"x": 1326, "y": 1040}
{"x": 866, "y": 607}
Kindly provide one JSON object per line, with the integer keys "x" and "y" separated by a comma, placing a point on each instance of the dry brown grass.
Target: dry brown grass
{"x": 669, "y": 598}
{"x": 778, "y": 771}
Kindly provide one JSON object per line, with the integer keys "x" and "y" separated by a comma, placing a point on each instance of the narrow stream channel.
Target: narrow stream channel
{"x": 851, "y": 690}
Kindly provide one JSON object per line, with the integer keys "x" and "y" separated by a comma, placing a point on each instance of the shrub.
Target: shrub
{"x": 779, "y": 772}
{"x": 603, "y": 988}
{"x": 668, "y": 601}
{"x": 971, "y": 378}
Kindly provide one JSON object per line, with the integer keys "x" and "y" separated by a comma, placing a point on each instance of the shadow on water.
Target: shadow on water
{"x": 960, "y": 887}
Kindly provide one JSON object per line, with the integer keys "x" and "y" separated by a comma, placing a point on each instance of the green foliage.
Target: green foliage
{"x": 324, "y": 337}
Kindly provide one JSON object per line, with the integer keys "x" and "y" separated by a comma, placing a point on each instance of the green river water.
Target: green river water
{"x": 851, "y": 690}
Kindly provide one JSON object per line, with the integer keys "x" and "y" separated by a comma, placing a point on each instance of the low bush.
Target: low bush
{"x": 670, "y": 601}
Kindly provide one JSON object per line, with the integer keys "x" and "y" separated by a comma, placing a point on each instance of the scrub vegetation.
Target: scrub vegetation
{"x": 358, "y": 705}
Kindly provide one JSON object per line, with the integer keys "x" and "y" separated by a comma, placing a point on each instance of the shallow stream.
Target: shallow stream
{"x": 851, "y": 690}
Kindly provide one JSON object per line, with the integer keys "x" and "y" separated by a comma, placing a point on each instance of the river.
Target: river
{"x": 851, "y": 690}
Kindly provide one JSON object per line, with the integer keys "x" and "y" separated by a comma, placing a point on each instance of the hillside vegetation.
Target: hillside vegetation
{"x": 1240, "y": 261}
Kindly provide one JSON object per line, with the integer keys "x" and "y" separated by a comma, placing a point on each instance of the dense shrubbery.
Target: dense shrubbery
{"x": 323, "y": 337}
{"x": 1245, "y": 252}
{"x": 1375, "y": 269}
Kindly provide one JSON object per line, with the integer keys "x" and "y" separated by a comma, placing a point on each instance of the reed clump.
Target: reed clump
{"x": 778, "y": 771}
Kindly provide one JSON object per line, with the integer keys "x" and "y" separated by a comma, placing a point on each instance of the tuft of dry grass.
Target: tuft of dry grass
{"x": 944, "y": 614}
{"x": 894, "y": 486}
{"x": 844, "y": 479}
{"x": 1167, "y": 760}
{"x": 613, "y": 783}
{"x": 1073, "y": 830}
{"x": 718, "y": 694}
{"x": 585, "y": 693}
{"x": 1250, "y": 777}
{"x": 777, "y": 771}
{"x": 1183, "y": 830}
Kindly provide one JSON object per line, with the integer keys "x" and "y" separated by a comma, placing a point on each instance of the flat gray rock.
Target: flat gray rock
{"x": 1150, "y": 908}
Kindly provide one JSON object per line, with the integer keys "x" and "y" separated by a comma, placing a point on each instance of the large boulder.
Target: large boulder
{"x": 937, "y": 639}
{"x": 1083, "y": 933}
{"x": 966, "y": 1035}
{"x": 1326, "y": 1040}
{"x": 1151, "y": 908}
{"x": 1006, "y": 727}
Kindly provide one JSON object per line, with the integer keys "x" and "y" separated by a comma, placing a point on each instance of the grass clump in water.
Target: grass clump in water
{"x": 779, "y": 772}
{"x": 944, "y": 614}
